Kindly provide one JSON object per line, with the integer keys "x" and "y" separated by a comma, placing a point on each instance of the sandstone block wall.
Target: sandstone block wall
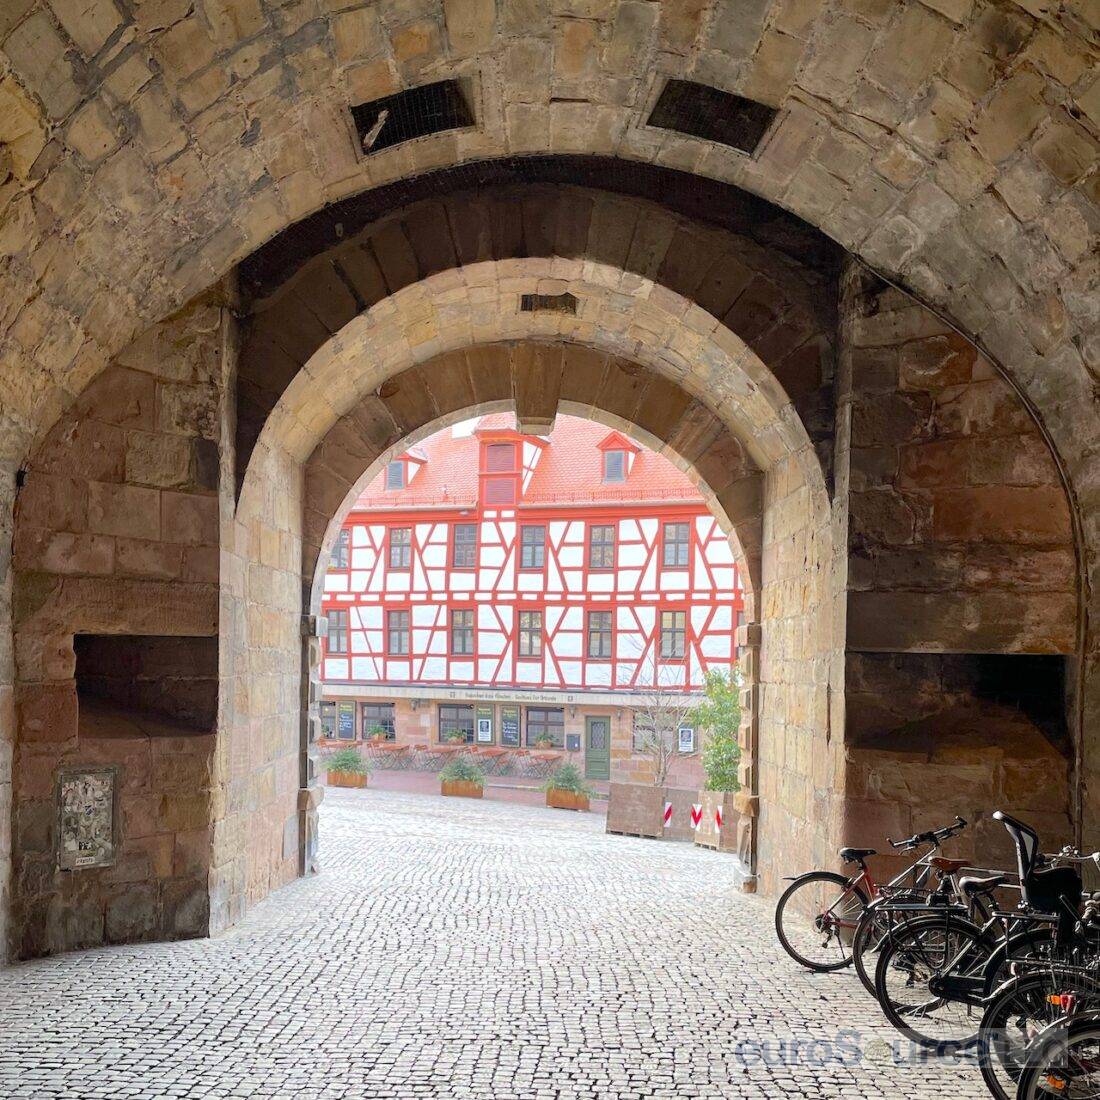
{"x": 960, "y": 564}
{"x": 115, "y": 617}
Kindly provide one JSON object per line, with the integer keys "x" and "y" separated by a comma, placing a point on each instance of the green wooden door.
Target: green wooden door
{"x": 597, "y": 748}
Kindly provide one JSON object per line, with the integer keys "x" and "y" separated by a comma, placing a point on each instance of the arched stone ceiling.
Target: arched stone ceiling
{"x": 149, "y": 147}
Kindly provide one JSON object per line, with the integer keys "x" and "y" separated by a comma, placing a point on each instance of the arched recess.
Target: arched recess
{"x": 633, "y": 351}
{"x": 767, "y": 278}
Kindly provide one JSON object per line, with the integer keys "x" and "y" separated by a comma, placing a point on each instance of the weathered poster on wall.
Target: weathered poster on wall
{"x": 687, "y": 739}
{"x": 86, "y": 811}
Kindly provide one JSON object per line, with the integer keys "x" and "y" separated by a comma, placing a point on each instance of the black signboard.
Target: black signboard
{"x": 509, "y": 727}
{"x": 345, "y": 722}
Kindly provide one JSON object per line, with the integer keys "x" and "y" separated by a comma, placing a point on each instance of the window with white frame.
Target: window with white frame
{"x": 400, "y": 547}
{"x": 673, "y": 634}
{"x": 676, "y": 544}
{"x": 530, "y": 633}
{"x": 532, "y": 546}
{"x": 465, "y": 546}
{"x": 397, "y": 633}
{"x": 601, "y": 546}
{"x": 336, "y": 640}
{"x": 462, "y": 632}
{"x": 599, "y": 634}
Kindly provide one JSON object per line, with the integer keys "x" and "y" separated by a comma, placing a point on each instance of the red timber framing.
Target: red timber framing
{"x": 696, "y": 577}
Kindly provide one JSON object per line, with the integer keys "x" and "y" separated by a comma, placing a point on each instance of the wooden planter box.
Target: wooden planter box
{"x": 566, "y": 800}
{"x": 461, "y": 788}
{"x": 708, "y": 835}
{"x": 635, "y": 809}
{"x": 345, "y": 779}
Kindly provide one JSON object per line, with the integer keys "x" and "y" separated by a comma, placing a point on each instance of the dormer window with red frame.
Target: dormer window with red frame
{"x": 500, "y": 482}
{"x": 395, "y": 474}
{"x": 616, "y": 458}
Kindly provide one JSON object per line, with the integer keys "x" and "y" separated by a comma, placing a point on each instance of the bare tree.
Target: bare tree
{"x": 660, "y": 712}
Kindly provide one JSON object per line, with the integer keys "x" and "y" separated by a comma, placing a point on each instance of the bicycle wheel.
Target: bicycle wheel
{"x": 919, "y": 953}
{"x": 1018, "y": 1011}
{"x": 1066, "y": 1065}
{"x": 816, "y": 917}
{"x": 871, "y": 931}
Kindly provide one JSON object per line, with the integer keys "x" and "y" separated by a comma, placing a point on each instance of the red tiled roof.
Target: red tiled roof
{"x": 569, "y": 471}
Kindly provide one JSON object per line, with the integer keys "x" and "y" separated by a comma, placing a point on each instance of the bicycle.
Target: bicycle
{"x": 936, "y": 972}
{"x": 828, "y": 904}
{"x": 1063, "y": 1060}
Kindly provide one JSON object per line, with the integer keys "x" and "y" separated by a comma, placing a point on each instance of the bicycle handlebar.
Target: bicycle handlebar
{"x": 933, "y": 836}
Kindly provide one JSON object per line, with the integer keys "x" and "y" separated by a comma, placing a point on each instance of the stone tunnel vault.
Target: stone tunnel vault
{"x": 634, "y": 353}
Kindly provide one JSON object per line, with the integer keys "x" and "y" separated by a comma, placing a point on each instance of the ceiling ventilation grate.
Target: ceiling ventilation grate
{"x": 547, "y": 303}
{"x": 429, "y": 109}
{"x": 711, "y": 114}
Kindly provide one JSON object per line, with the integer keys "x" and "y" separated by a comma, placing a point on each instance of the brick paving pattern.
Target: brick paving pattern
{"x": 460, "y": 949}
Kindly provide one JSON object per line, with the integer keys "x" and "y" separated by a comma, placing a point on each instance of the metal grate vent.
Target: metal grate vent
{"x": 429, "y": 109}
{"x": 711, "y": 114}
{"x": 547, "y": 303}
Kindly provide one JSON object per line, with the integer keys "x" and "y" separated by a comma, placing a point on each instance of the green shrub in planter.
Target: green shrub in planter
{"x": 462, "y": 771}
{"x": 348, "y": 761}
{"x": 568, "y": 778}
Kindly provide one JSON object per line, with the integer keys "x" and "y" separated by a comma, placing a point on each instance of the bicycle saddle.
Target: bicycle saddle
{"x": 949, "y": 866}
{"x": 852, "y": 855}
{"x": 972, "y": 885}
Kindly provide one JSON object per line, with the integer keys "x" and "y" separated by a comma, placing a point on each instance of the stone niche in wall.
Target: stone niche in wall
{"x": 146, "y": 711}
{"x": 935, "y": 734}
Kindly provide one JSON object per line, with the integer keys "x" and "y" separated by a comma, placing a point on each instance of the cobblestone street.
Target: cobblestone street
{"x": 460, "y": 949}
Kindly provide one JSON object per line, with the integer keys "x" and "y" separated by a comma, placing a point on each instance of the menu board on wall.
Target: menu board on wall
{"x": 484, "y": 725}
{"x": 509, "y": 727}
{"x": 345, "y": 721}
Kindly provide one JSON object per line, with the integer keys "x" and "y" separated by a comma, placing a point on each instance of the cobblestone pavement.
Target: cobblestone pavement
{"x": 460, "y": 949}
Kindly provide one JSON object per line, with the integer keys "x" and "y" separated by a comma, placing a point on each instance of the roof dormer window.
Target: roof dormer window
{"x": 395, "y": 475}
{"x": 614, "y": 466}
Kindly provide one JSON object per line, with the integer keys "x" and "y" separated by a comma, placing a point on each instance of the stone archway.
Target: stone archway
{"x": 663, "y": 366}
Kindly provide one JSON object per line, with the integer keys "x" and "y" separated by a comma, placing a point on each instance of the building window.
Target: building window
{"x": 337, "y": 640}
{"x": 395, "y": 475}
{"x": 462, "y": 633}
{"x": 397, "y": 633}
{"x": 673, "y": 634}
{"x": 601, "y": 546}
{"x": 676, "y": 544}
{"x": 530, "y": 633}
{"x": 614, "y": 466}
{"x": 500, "y": 458}
{"x": 328, "y": 720}
{"x": 400, "y": 547}
{"x": 500, "y": 491}
{"x": 599, "y": 634}
{"x": 545, "y": 725}
{"x": 378, "y": 721}
{"x": 456, "y": 723}
{"x": 532, "y": 548}
{"x": 465, "y": 551}
{"x": 341, "y": 551}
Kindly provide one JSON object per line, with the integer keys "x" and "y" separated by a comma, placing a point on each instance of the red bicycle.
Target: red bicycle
{"x": 817, "y": 915}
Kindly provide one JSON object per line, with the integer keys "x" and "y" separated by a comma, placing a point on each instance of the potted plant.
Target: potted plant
{"x": 544, "y": 742}
{"x": 377, "y": 733}
{"x": 566, "y": 789}
{"x": 346, "y": 768}
{"x": 719, "y": 715}
{"x": 455, "y": 738}
{"x": 462, "y": 779}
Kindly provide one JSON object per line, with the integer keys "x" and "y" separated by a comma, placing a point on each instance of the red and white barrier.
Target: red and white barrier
{"x": 696, "y": 815}
{"x": 718, "y": 820}
{"x": 668, "y": 814}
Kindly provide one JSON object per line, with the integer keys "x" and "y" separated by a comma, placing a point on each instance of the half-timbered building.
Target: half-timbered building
{"x": 526, "y": 592}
